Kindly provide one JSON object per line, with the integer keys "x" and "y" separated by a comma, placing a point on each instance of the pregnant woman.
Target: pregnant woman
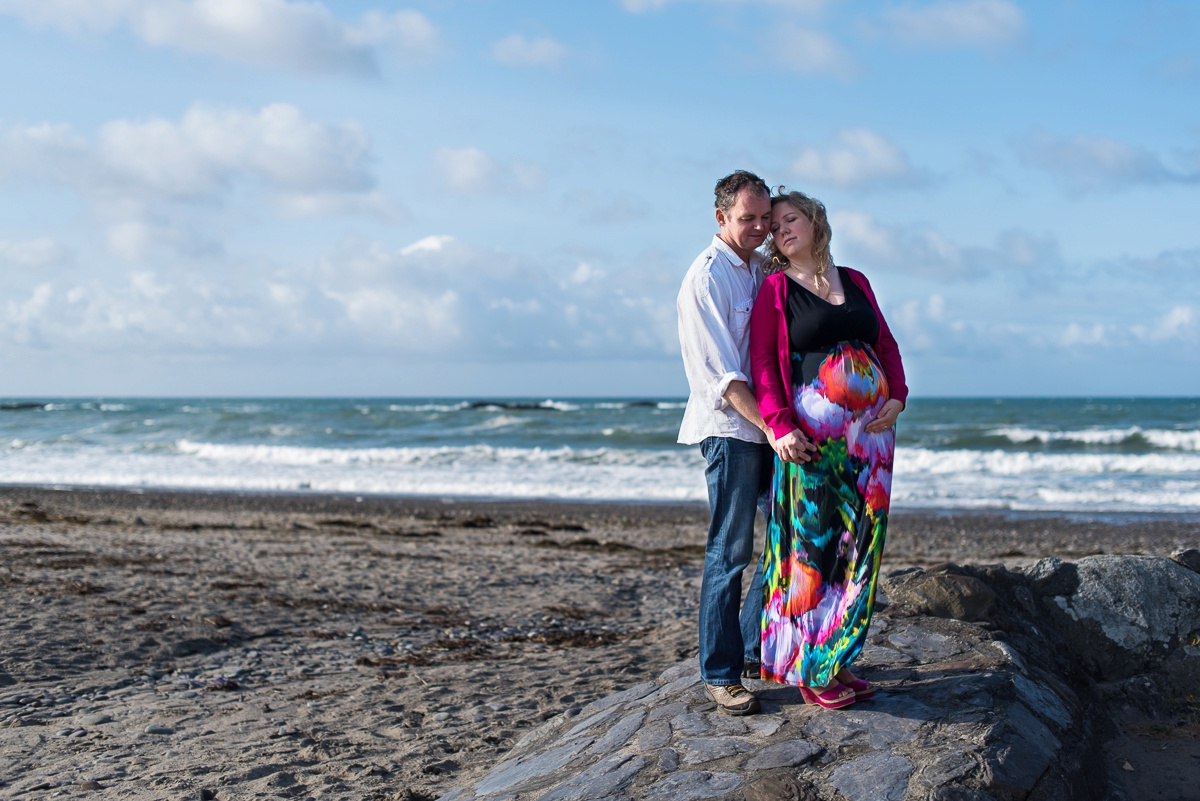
{"x": 827, "y": 374}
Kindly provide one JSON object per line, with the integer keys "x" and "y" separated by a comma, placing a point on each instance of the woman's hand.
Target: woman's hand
{"x": 886, "y": 417}
{"x": 794, "y": 447}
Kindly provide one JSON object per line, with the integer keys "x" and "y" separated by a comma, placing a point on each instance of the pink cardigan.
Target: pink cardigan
{"x": 771, "y": 360}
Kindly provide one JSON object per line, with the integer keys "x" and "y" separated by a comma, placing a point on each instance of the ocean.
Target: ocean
{"x": 1098, "y": 456}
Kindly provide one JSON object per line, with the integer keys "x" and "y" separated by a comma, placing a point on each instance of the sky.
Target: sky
{"x": 486, "y": 198}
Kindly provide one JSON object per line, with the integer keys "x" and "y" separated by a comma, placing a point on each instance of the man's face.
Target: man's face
{"x": 745, "y": 226}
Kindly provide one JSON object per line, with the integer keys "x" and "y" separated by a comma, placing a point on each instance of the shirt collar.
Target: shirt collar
{"x": 756, "y": 259}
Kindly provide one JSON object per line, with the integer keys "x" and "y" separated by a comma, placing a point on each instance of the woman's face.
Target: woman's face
{"x": 791, "y": 231}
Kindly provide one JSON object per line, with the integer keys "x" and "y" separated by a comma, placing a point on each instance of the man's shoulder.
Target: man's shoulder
{"x": 710, "y": 260}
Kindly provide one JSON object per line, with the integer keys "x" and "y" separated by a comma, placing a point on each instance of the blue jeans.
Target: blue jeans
{"x": 739, "y": 480}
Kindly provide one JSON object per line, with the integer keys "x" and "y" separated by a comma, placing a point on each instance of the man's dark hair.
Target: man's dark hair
{"x": 729, "y": 186}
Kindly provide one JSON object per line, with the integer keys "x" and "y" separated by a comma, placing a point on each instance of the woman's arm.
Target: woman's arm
{"x": 885, "y": 346}
{"x": 774, "y": 399}
{"x": 774, "y": 396}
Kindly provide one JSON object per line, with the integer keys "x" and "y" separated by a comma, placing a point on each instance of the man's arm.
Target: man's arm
{"x": 710, "y": 356}
{"x": 792, "y": 447}
{"x": 739, "y": 396}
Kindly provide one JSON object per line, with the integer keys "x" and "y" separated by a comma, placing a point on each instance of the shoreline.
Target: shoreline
{"x": 401, "y": 503}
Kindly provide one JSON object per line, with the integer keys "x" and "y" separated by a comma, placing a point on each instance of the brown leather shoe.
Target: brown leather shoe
{"x": 733, "y": 699}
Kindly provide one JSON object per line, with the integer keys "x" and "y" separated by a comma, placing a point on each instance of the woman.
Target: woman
{"x": 830, "y": 384}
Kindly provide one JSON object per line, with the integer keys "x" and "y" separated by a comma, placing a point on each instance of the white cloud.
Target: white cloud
{"x": 528, "y": 306}
{"x": 429, "y": 244}
{"x": 985, "y": 23}
{"x": 304, "y": 37}
{"x": 436, "y": 295}
{"x": 585, "y": 273}
{"x": 1171, "y": 262}
{"x": 415, "y": 322}
{"x": 144, "y": 177}
{"x": 406, "y": 35}
{"x": 148, "y": 311}
{"x": 1016, "y": 255}
{"x": 1076, "y": 334}
{"x": 1089, "y": 164}
{"x": 134, "y": 238}
{"x": 517, "y": 51}
{"x": 470, "y": 171}
{"x": 641, "y": 6}
{"x": 41, "y": 252}
{"x": 72, "y": 16}
{"x": 130, "y": 240}
{"x": 809, "y": 52}
{"x": 1178, "y": 323}
{"x": 865, "y": 241}
{"x": 934, "y": 328}
{"x": 863, "y": 159}
{"x": 210, "y": 146}
{"x": 466, "y": 169}
{"x": 21, "y": 318}
{"x": 922, "y": 323}
{"x": 465, "y": 300}
{"x": 199, "y": 156}
{"x": 864, "y": 235}
{"x": 340, "y": 204}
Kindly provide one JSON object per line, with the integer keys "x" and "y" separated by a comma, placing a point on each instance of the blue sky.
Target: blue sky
{"x": 262, "y": 197}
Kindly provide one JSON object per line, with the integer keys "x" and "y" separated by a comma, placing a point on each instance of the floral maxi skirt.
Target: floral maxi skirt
{"x": 828, "y": 521}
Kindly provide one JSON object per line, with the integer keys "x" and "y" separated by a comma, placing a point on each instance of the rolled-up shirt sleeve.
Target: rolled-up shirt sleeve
{"x": 710, "y": 356}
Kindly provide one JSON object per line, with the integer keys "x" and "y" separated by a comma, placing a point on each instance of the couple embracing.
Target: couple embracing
{"x": 795, "y": 383}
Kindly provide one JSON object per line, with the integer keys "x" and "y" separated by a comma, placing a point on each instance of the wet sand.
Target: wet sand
{"x": 224, "y": 645}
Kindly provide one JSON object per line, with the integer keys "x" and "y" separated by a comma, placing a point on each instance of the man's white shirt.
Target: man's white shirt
{"x": 714, "y": 306}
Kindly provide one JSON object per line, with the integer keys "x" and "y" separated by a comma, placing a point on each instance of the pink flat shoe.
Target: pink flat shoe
{"x": 835, "y": 696}
{"x": 862, "y": 688}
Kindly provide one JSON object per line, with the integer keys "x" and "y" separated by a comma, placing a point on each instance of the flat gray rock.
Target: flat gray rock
{"x": 877, "y": 776}
{"x": 883, "y": 723}
{"x": 1024, "y": 752}
{"x": 619, "y": 734}
{"x": 692, "y": 786}
{"x": 924, "y": 645}
{"x": 966, "y": 711}
{"x": 1042, "y": 701}
{"x": 607, "y": 777}
{"x": 655, "y": 736}
{"x": 537, "y": 770}
{"x": 787, "y": 754}
{"x": 697, "y": 750}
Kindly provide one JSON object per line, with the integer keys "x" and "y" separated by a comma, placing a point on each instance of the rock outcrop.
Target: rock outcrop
{"x": 995, "y": 686}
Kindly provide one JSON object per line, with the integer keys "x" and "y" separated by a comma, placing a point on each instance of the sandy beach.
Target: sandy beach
{"x": 196, "y": 645}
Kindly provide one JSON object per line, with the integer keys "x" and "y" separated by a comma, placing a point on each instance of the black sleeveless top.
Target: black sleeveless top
{"x": 815, "y": 324}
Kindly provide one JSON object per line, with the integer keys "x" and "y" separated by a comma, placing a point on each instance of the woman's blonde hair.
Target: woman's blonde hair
{"x": 822, "y": 234}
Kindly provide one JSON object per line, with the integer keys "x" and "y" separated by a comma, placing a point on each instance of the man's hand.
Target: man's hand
{"x": 794, "y": 447}
{"x": 886, "y": 417}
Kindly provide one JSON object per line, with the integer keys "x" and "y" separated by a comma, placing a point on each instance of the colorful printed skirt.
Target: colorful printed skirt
{"x": 828, "y": 521}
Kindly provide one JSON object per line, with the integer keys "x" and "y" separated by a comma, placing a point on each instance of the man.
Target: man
{"x": 714, "y": 313}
